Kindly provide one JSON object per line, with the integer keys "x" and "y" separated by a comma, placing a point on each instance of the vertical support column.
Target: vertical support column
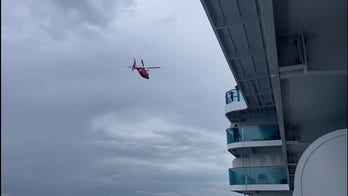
{"x": 267, "y": 27}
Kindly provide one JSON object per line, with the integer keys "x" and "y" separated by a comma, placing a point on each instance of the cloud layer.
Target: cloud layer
{"x": 76, "y": 121}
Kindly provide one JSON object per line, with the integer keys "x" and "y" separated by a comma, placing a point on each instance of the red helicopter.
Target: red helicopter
{"x": 143, "y": 71}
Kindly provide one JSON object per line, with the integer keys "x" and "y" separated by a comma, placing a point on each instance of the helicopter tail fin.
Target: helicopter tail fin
{"x": 134, "y": 65}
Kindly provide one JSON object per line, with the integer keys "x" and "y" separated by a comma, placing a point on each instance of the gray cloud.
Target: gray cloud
{"x": 62, "y": 19}
{"x": 76, "y": 121}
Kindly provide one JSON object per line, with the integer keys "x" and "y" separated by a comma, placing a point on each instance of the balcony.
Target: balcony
{"x": 252, "y": 137}
{"x": 258, "y": 179}
{"x": 234, "y": 101}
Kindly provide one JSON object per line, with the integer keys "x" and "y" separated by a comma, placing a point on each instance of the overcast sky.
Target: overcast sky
{"x": 76, "y": 121}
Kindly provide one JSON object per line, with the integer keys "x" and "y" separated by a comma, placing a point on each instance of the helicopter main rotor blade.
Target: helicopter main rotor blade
{"x": 153, "y": 67}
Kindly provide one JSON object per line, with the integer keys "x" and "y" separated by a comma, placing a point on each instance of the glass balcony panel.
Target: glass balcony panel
{"x": 234, "y": 135}
{"x": 261, "y": 175}
{"x": 237, "y": 176}
{"x": 260, "y": 133}
{"x": 256, "y": 133}
{"x": 233, "y": 96}
{"x": 266, "y": 176}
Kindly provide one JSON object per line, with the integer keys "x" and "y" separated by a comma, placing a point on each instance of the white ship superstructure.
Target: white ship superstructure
{"x": 289, "y": 61}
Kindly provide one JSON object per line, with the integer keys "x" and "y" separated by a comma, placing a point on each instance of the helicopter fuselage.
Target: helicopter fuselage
{"x": 142, "y": 71}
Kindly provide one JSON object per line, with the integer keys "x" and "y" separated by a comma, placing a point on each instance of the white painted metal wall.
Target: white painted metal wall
{"x": 322, "y": 169}
{"x": 263, "y": 157}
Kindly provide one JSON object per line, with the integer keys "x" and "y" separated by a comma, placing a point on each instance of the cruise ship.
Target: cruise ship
{"x": 288, "y": 110}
